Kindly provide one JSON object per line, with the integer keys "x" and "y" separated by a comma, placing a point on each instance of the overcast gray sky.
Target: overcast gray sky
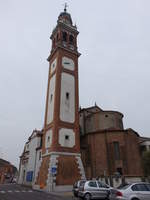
{"x": 114, "y": 68}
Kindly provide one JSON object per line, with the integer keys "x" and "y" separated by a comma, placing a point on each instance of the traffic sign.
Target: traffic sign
{"x": 53, "y": 170}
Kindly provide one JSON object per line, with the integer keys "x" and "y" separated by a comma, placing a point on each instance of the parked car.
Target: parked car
{"x": 94, "y": 189}
{"x": 134, "y": 191}
{"x": 14, "y": 180}
{"x": 76, "y": 187}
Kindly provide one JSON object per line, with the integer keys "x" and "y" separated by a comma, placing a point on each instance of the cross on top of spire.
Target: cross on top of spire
{"x": 64, "y": 16}
{"x": 65, "y": 7}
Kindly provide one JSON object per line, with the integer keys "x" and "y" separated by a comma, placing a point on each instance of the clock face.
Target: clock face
{"x": 53, "y": 66}
{"x": 68, "y": 63}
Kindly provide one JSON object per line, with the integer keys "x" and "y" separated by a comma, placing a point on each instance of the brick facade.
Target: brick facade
{"x": 43, "y": 173}
{"x": 111, "y": 150}
{"x": 7, "y": 171}
{"x": 68, "y": 171}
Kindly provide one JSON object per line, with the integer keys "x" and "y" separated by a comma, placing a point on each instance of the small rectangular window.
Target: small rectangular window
{"x": 116, "y": 150}
{"x": 66, "y": 137}
{"x": 51, "y": 98}
{"x": 67, "y": 95}
{"x": 119, "y": 170}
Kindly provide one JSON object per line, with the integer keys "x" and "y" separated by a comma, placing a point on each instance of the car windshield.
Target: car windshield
{"x": 123, "y": 187}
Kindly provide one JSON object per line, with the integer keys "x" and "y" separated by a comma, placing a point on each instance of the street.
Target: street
{"x": 17, "y": 192}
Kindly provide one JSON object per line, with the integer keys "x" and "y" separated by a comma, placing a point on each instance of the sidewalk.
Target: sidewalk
{"x": 67, "y": 194}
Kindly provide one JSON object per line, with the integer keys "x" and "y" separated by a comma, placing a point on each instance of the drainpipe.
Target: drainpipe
{"x": 108, "y": 159}
{"x": 19, "y": 171}
{"x": 33, "y": 181}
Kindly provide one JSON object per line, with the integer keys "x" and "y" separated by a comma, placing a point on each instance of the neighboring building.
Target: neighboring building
{"x": 106, "y": 147}
{"x": 144, "y": 144}
{"x": 30, "y": 159}
{"x": 7, "y": 171}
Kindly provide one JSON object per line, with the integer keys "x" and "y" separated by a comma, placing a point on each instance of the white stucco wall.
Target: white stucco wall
{"x": 53, "y": 66}
{"x": 30, "y": 165}
{"x": 146, "y": 144}
{"x": 32, "y": 153}
{"x": 67, "y": 106}
{"x": 51, "y": 100}
{"x": 32, "y": 156}
{"x": 70, "y": 142}
{"x": 23, "y": 168}
{"x": 68, "y": 63}
{"x": 48, "y": 139}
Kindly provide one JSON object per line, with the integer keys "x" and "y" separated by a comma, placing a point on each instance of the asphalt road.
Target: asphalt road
{"x": 17, "y": 192}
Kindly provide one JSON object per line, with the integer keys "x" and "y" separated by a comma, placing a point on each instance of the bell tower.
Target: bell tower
{"x": 61, "y": 162}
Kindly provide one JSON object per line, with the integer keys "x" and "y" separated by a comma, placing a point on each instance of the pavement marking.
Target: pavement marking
{"x": 3, "y": 192}
{"x": 7, "y": 184}
{"x": 17, "y": 191}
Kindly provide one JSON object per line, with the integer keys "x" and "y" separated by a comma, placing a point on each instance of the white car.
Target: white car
{"x": 76, "y": 186}
{"x": 94, "y": 189}
{"x": 134, "y": 191}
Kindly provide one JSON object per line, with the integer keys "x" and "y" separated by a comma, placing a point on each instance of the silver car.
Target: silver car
{"x": 76, "y": 186}
{"x": 94, "y": 190}
{"x": 134, "y": 191}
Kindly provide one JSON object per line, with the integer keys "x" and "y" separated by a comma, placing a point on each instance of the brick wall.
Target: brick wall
{"x": 67, "y": 171}
{"x": 98, "y": 153}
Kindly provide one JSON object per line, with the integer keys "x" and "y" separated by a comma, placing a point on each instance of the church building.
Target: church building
{"x": 75, "y": 143}
{"x": 107, "y": 148}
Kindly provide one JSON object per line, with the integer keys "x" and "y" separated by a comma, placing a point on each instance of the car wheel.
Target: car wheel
{"x": 135, "y": 199}
{"x": 87, "y": 196}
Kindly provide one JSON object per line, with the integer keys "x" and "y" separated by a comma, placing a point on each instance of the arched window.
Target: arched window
{"x": 54, "y": 43}
{"x": 71, "y": 39}
{"x": 64, "y": 36}
{"x": 57, "y": 36}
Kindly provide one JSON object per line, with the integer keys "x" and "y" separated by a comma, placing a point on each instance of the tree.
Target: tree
{"x": 146, "y": 163}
